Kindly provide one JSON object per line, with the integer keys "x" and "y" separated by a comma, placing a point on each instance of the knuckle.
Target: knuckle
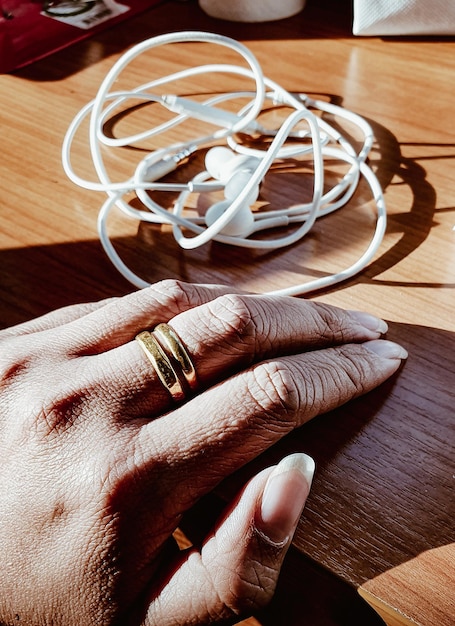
{"x": 357, "y": 370}
{"x": 17, "y": 363}
{"x": 251, "y": 590}
{"x": 12, "y": 368}
{"x": 58, "y": 411}
{"x": 246, "y": 585}
{"x": 233, "y": 311}
{"x": 275, "y": 391}
{"x": 337, "y": 378}
{"x": 330, "y": 324}
{"x": 172, "y": 293}
{"x": 233, "y": 317}
{"x": 290, "y": 391}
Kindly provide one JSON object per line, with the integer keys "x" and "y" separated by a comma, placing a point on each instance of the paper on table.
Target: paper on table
{"x": 404, "y": 17}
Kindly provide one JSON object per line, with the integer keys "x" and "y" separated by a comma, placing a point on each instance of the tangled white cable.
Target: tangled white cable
{"x": 232, "y": 166}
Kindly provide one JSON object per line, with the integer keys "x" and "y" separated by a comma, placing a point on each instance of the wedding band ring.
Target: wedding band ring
{"x": 170, "y": 359}
{"x": 172, "y": 343}
{"x": 161, "y": 364}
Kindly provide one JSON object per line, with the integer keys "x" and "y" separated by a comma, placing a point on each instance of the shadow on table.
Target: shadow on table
{"x": 383, "y": 489}
{"x": 38, "y": 278}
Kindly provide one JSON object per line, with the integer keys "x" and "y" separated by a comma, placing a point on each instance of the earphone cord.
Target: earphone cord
{"x": 317, "y": 141}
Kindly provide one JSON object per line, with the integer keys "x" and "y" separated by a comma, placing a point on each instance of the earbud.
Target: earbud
{"x": 237, "y": 183}
{"x": 221, "y": 163}
{"x": 241, "y": 224}
{"x": 235, "y": 171}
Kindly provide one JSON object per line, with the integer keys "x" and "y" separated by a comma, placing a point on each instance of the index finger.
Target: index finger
{"x": 96, "y": 327}
{"x": 120, "y": 321}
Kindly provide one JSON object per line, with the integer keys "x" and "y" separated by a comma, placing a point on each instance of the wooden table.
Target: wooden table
{"x": 380, "y": 518}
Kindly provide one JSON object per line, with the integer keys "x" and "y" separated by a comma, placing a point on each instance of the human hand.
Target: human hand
{"x": 97, "y": 465}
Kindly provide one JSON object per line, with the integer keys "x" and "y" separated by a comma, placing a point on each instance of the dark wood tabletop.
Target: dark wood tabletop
{"x": 380, "y": 518}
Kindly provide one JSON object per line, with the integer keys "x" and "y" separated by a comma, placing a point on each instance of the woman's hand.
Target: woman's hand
{"x": 98, "y": 465}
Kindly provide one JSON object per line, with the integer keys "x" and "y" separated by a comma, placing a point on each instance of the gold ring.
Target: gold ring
{"x": 170, "y": 359}
{"x": 173, "y": 345}
{"x": 161, "y": 364}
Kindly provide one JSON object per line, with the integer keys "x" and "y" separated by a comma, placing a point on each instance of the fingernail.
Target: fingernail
{"x": 370, "y": 322}
{"x": 284, "y": 496}
{"x": 386, "y": 349}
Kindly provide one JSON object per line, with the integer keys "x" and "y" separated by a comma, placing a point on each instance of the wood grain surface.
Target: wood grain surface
{"x": 382, "y": 509}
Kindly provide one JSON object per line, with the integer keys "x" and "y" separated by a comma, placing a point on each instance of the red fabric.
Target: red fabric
{"x": 26, "y": 35}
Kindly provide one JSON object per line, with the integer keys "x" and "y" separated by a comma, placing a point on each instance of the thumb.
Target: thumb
{"x": 236, "y": 571}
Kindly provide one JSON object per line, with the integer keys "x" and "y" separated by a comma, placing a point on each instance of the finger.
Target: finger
{"x": 236, "y": 571}
{"x": 229, "y": 333}
{"x": 53, "y": 319}
{"x": 236, "y": 330}
{"x": 123, "y": 311}
{"x": 121, "y": 319}
{"x": 232, "y": 423}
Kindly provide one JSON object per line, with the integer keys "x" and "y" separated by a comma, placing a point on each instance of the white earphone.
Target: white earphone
{"x": 231, "y": 166}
